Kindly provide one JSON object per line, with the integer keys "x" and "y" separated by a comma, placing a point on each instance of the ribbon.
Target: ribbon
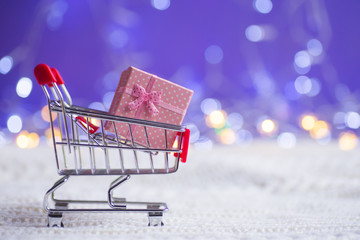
{"x": 144, "y": 97}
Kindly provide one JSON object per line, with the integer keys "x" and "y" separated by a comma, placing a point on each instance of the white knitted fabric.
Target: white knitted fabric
{"x": 257, "y": 192}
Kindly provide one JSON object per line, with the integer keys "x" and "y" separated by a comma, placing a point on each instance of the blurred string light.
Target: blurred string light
{"x": 255, "y": 33}
{"x": 348, "y": 140}
{"x": 339, "y": 120}
{"x": 308, "y": 122}
{"x": 55, "y": 15}
{"x": 244, "y": 137}
{"x": 6, "y": 63}
{"x": 160, "y": 4}
{"x": 235, "y": 121}
{"x": 209, "y": 105}
{"x": 107, "y": 99}
{"x": 118, "y": 38}
{"x": 14, "y": 124}
{"x": 45, "y": 114}
{"x": 216, "y": 119}
{"x": 352, "y": 120}
{"x": 267, "y": 126}
{"x": 227, "y": 136}
{"x": 286, "y": 140}
{"x": 204, "y": 143}
{"x": 214, "y": 54}
{"x": 320, "y": 130}
{"x": 314, "y": 47}
{"x": 303, "y": 84}
{"x": 263, "y": 6}
{"x": 24, "y": 87}
{"x": 97, "y": 106}
{"x": 27, "y": 140}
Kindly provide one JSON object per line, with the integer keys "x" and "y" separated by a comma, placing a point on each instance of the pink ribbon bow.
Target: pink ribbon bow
{"x": 142, "y": 96}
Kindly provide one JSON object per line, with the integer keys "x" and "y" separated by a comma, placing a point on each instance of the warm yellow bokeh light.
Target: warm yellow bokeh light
{"x": 45, "y": 114}
{"x": 268, "y": 126}
{"x": 319, "y": 130}
{"x": 347, "y": 141}
{"x": 26, "y": 140}
{"x": 308, "y": 122}
{"x": 22, "y": 139}
{"x": 216, "y": 119}
{"x": 33, "y": 139}
{"x": 227, "y": 136}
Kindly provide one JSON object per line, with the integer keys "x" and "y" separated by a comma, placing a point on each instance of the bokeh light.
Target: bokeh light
{"x": 118, "y": 38}
{"x": 286, "y": 140}
{"x": 303, "y": 85}
{"x": 27, "y": 140}
{"x": 209, "y": 105}
{"x": 216, "y": 119}
{"x": 160, "y": 4}
{"x": 348, "y": 140}
{"x": 14, "y": 124}
{"x": 255, "y": 33}
{"x": 227, "y": 136}
{"x": 235, "y": 121}
{"x": 302, "y": 59}
{"x": 24, "y": 87}
{"x": 314, "y": 47}
{"x": 263, "y": 6}
{"x": 214, "y": 54}
{"x": 45, "y": 114}
{"x": 204, "y": 143}
{"x": 308, "y": 122}
{"x": 244, "y": 137}
{"x": 320, "y": 130}
{"x": 352, "y": 120}
{"x": 6, "y": 63}
{"x": 267, "y": 127}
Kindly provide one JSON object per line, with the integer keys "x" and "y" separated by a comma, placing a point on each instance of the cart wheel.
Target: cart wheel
{"x": 55, "y": 220}
{"x": 155, "y": 219}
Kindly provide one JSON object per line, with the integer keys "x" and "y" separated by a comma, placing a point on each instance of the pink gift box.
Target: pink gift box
{"x": 145, "y": 96}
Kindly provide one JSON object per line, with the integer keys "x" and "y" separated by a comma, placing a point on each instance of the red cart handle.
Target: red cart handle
{"x": 59, "y": 80}
{"x": 184, "y": 145}
{"x": 43, "y": 74}
{"x": 92, "y": 128}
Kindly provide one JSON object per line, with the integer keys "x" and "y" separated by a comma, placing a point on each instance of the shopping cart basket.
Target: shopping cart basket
{"x": 83, "y": 147}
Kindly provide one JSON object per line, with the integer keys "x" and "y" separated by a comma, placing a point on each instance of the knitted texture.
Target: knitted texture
{"x": 257, "y": 192}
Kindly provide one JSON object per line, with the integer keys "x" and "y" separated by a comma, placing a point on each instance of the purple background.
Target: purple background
{"x": 75, "y": 38}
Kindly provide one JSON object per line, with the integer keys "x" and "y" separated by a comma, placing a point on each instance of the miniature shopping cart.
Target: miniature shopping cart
{"x": 84, "y": 148}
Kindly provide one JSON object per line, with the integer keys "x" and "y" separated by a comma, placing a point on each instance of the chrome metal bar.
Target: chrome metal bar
{"x": 127, "y": 148}
{"x": 79, "y": 150}
{"x": 120, "y": 149}
{"x": 61, "y": 136}
{"x": 166, "y": 153}
{"x": 64, "y": 114}
{"x": 133, "y": 145}
{"x": 92, "y": 157}
{"x": 51, "y": 125}
{"x": 113, "y": 186}
{"x": 148, "y": 145}
{"x": 107, "y": 163}
{"x": 73, "y": 139}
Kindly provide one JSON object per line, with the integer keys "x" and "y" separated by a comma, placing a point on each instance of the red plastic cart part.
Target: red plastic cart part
{"x": 43, "y": 74}
{"x": 59, "y": 80}
{"x": 184, "y": 145}
{"x": 92, "y": 128}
